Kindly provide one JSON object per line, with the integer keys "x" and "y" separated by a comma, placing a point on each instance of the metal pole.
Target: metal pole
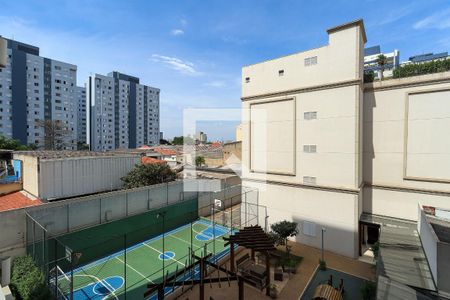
{"x": 71, "y": 275}
{"x": 164, "y": 255}
{"x": 125, "y": 265}
{"x": 323, "y": 230}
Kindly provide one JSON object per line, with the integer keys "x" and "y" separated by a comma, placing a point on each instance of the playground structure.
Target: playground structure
{"x": 253, "y": 238}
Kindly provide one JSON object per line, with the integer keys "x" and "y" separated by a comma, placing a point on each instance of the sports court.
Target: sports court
{"x": 104, "y": 278}
{"x": 113, "y": 247}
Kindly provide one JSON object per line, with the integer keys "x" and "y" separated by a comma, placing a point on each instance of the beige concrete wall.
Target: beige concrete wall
{"x": 30, "y": 175}
{"x": 338, "y": 61}
{"x": 232, "y": 153}
{"x": 406, "y": 152}
{"x": 6, "y": 188}
{"x": 335, "y": 211}
{"x": 276, "y": 136}
{"x": 335, "y": 132}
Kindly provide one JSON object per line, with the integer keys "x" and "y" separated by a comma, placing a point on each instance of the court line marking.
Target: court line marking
{"x": 98, "y": 281}
{"x": 128, "y": 265}
{"x": 205, "y": 222}
{"x": 176, "y": 260}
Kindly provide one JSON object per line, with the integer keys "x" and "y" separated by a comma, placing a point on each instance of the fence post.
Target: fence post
{"x": 125, "y": 264}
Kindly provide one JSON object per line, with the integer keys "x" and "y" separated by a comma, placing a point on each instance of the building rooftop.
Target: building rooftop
{"x": 44, "y": 154}
{"x": 145, "y": 160}
{"x": 439, "y": 219}
{"x": 401, "y": 255}
{"x": 18, "y": 200}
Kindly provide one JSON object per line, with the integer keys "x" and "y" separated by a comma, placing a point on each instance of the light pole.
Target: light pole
{"x": 163, "y": 216}
{"x": 323, "y": 230}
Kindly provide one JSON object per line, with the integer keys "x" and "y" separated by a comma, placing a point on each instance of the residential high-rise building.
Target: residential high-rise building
{"x": 34, "y": 92}
{"x": 81, "y": 122}
{"x": 122, "y": 112}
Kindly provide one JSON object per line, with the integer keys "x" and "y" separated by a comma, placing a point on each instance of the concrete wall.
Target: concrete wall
{"x": 443, "y": 268}
{"x": 429, "y": 242}
{"x": 6, "y": 188}
{"x": 301, "y": 138}
{"x": 406, "y": 154}
{"x": 30, "y": 174}
{"x": 335, "y": 211}
{"x": 336, "y": 62}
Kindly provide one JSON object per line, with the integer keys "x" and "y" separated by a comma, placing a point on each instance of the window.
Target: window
{"x": 309, "y": 148}
{"x": 281, "y": 73}
{"x": 309, "y": 180}
{"x": 309, "y": 228}
{"x": 57, "y": 68}
{"x": 247, "y": 79}
{"x": 310, "y": 61}
{"x": 310, "y": 115}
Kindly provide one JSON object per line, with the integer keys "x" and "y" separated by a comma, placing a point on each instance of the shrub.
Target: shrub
{"x": 369, "y": 76}
{"x": 369, "y": 290}
{"x": 281, "y": 231}
{"x": 322, "y": 265}
{"x": 144, "y": 175}
{"x": 27, "y": 281}
{"x": 422, "y": 68}
{"x": 376, "y": 250}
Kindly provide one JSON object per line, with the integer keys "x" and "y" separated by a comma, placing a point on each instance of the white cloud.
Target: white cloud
{"x": 176, "y": 32}
{"x": 183, "y": 22}
{"x": 216, "y": 83}
{"x": 182, "y": 66}
{"x": 440, "y": 20}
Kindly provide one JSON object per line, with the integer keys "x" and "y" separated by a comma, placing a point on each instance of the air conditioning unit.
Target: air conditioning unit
{"x": 3, "y": 52}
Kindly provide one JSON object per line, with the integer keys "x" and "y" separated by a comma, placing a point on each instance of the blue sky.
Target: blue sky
{"x": 194, "y": 50}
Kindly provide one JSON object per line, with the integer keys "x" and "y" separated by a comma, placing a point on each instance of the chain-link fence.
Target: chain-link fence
{"x": 118, "y": 259}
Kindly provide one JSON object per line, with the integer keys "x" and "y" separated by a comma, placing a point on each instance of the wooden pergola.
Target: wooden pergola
{"x": 255, "y": 239}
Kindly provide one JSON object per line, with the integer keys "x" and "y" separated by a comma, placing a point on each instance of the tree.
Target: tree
{"x": 11, "y": 144}
{"x": 199, "y": 161}
{"x": 57, "y": 135}
{"x": 82, "y": 146}
{"x": 144, "y": 175}
{"x": 164, "y": 142}
{"x": 282, "y": 230}
{"x": 181, "y": 140}
{"x": 381, "y": 61}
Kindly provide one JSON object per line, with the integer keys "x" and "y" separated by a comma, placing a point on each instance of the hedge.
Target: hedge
{"x": 422, "y": 68}
{"x": 27, "y": 281}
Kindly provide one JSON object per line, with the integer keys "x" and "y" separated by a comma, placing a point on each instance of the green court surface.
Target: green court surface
{"x": 128, "y": 272}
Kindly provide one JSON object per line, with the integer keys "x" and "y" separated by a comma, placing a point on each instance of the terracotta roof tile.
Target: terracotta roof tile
{"x": 166, "y": 151}
{"x": 17, "y": 200}
{"x": 150, "y": 160}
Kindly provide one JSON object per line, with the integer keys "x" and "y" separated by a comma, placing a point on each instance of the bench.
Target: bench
{"x": 252, "y": 272}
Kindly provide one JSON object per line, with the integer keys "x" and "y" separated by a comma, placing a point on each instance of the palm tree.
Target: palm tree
{"x": 381, "y": 61}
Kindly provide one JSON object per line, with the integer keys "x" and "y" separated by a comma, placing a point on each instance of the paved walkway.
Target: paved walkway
{"x": 297, "y": 283}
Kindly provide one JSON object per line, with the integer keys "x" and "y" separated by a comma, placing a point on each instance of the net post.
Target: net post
{"x": 257, "y": 208}
{"x": 34, "y": 239}
{"x": 55, "y": 268}
{"x": 245, "y": 209}
{"x": 231, "y": 215}
{"x": 71, "y": 275}
{"x": 125, "y": 264}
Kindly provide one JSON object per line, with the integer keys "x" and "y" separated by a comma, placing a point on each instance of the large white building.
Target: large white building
{"x": 122, "y": 113}
{"x": 327, "y": 150}
{"x": 81, "y": 121}
{"x": 371, "y": 61}
{"x": 34, "y": 89}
